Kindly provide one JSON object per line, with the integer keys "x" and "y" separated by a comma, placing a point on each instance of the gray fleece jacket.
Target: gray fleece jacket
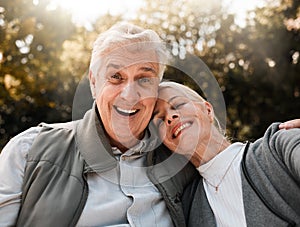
{"x": 55, "y": 186}
{"x": 270, "y": 172}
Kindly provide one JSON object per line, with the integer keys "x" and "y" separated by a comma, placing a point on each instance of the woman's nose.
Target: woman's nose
{"x": 172, "y": 117}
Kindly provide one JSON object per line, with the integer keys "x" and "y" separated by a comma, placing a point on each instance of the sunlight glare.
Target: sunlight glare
{"x": 240, "y": 8}
{"x": 87, "y": 11}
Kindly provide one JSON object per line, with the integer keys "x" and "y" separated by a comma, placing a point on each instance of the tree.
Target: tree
{"x": 257, "y": 67}
{"x": 31, "y": 76}
{"x": 262, "y": 72}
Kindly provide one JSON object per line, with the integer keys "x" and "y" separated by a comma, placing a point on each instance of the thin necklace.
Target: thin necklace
{"x": 228, "y": 168}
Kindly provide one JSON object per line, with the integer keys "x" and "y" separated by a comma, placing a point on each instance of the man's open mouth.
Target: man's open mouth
{"x": 125, "y": 112}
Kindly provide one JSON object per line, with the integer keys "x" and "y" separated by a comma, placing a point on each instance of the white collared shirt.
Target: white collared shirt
{"x": 224, "y": 171}
{"x": 123, "y": 196}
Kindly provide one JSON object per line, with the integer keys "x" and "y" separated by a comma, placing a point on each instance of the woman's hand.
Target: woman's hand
{"x": 290, "y": 124}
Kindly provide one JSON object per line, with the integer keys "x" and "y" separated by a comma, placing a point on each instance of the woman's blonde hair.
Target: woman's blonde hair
{"x": 190, "y": 93}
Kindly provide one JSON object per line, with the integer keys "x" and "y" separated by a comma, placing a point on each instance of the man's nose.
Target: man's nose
{"x": 130, "y": 93}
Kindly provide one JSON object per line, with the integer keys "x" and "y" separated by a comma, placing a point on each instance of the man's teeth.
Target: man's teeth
{"x": 126, "y": 111}
{"x": 181, "y": 128}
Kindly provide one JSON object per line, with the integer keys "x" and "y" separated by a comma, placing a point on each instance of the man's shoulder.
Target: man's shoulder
{"x": 53, "y": 140}
{"x": 23, "y": 139}
{"x": 63, "y": 125}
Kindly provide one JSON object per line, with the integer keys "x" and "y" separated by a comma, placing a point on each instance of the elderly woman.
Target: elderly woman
{"x": 242, "y": 184}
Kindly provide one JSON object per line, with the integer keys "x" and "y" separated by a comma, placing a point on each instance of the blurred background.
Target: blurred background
{"x": 252, "y": 47}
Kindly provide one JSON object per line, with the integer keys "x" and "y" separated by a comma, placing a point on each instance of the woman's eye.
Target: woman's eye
{"x": 177, "y": 106}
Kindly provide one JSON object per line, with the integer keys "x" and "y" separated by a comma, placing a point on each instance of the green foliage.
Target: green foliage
{"x": 43, "y": 56}
{"x": 33, "y": 86}
{"x": 264, "y": 85}
{"x": 257, "y": 67}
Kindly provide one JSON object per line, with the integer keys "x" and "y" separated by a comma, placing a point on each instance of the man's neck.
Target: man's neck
{"x": 123, "y": 146}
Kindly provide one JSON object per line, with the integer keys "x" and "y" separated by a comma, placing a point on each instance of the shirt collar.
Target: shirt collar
{"x": 143, "y": 147}
{"x": 216, "y": 167}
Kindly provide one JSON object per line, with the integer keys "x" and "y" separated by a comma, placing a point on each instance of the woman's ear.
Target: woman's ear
{"x": 92, "y": 84}
{"x": 210, "y": 111}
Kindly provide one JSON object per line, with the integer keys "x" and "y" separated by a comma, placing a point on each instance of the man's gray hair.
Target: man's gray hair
{"x": 129, "y": 36}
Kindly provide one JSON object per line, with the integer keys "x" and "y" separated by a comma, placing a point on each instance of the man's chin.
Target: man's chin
{"x": 126, "y": 137}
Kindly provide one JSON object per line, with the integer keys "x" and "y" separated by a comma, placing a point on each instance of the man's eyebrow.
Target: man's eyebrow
{"x": 144, "y": 68}
{"x": 148, "y": 69}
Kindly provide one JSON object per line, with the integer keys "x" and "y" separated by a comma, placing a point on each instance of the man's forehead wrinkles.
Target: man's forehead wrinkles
{"x": 142, "y": 66}
{"x": 138, "y": 56}
{"x": 122, "y": 63}
{"x": 115, "y": 66}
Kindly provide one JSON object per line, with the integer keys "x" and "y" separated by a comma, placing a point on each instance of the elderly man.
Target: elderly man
{"x": 99, "y": 171}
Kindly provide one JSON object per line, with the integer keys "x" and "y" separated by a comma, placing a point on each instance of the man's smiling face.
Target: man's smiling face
{"x": 126, "y": 91}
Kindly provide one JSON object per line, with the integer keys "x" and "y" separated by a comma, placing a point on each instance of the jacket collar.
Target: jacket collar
{"x": 93, "y": 143}
{"x": 95, "y": 148}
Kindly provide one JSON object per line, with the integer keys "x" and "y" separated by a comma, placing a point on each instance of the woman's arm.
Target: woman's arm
{"x": 287, "y": 144}
{"x": 290, "y": 124}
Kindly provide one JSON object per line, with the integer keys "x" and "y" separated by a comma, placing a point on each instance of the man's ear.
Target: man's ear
{"x": 210, "y": 111}
{"x": 92, "y": 80}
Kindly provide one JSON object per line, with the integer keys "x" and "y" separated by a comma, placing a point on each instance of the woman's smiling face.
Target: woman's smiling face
{"x": 182, "y": 123}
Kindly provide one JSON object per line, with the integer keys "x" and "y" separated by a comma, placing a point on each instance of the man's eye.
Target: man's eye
{"x": 145, "y": 80}
{"x": 115, "y": 78}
